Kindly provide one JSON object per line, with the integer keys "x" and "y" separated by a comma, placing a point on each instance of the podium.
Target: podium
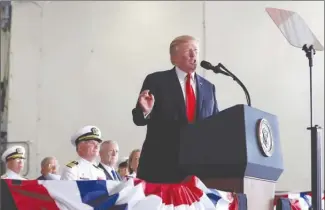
{"x": 237, "y": 150}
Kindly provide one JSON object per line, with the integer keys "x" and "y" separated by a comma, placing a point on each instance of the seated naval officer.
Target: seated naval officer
{"x": 87, "y": 141}
{"x": 14, "y": 159}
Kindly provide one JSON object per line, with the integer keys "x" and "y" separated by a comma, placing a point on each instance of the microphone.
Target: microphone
{"x": 223, "y": 70}
{"x": 216, "y": 69}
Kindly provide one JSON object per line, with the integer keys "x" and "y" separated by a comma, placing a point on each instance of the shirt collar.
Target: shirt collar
{"x": 182, "y": 74}
{"x": 12, "y": 172}
{"x": 134, "y": 175}
{"x": 107, "y": 167}
{"x": 86, "y": 161}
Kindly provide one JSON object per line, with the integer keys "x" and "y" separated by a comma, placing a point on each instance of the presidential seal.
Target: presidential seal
{"x": 265, "y": 137}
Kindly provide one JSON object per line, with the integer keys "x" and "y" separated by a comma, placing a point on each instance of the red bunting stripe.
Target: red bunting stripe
{"x": 185, "y": 193}
{"x": 234, "y": 203}
{"x": 295, "y": 205}
{"x": 31, "y": 195}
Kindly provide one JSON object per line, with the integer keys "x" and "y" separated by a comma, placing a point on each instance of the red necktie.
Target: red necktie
{"x": 190, "y": 99}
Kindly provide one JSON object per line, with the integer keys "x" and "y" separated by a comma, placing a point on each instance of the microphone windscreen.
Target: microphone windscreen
{"x": 206, "y": 65}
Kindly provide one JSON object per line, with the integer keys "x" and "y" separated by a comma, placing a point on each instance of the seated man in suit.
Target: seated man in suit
{"x": 169, "y": 100}
{"x": 108, "y": 158}
{"x": 49, "y": 169}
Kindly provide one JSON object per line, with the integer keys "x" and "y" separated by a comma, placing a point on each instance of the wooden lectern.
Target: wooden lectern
{"x": 236, "y": 150}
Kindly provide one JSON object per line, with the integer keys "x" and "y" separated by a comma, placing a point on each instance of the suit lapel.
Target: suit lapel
{"x": 108, "y": 175}
{"x": 178, "y": 95}
{"x": 199, "y": 96}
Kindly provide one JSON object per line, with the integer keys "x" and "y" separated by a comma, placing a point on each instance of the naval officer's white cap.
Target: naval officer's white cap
{"x": 14, "y": 152}
{"x": 86, "y": 133}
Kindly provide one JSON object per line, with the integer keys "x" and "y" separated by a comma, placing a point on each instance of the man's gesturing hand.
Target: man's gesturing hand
{"x": 146, "y": 101}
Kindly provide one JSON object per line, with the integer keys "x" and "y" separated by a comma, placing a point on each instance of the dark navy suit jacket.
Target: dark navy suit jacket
{"x": 159, "y": 156}
{"x": 41, "y": 178}
{"x": 108, "y": 175}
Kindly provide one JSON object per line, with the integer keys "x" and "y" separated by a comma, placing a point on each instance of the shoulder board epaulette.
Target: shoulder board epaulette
{"x": 72, "y": 164}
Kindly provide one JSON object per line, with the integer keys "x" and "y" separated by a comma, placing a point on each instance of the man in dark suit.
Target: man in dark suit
{"x": 169, "y": 100}
{"x": 108, "y": 158}
{"x": 49, "y": 169}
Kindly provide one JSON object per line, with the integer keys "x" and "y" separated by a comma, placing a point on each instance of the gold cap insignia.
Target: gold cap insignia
{"x": 95, "y": 131}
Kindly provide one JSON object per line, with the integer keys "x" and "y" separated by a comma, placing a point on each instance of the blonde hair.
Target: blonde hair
{"x": 178, "y": 41}
{"x": 131, "y": 159}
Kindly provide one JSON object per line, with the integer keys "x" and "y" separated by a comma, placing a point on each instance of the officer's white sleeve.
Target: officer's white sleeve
{"x": 69, "y": 173}
{"x": 5, "y": 176}
{"x": 101, "y": 174}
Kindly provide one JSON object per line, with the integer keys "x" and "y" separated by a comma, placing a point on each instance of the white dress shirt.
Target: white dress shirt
{"x": 12, "y": 175}
{"x": 52, "y": 177}
{"x": 182, "y": 81}
{"x": 109, "y": 170}
{"x": 82, "y": 170}
{"x": 132, "y": 175}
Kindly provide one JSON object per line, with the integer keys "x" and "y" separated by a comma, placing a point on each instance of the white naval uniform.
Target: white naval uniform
{"x": 82, "y": 170}
{"x": 12, "y": 175}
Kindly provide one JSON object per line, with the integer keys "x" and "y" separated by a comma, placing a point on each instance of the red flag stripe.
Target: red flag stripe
{"x": 31, "y": 195}
{"x": 234, "y": 205}
{"x": 177, "y": 194}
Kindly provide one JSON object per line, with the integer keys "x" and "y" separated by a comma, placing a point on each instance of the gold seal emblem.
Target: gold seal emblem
{"x": 265, "y": 137}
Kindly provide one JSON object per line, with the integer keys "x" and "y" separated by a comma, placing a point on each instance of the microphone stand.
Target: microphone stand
{"x": 315, "y": 140}
{"x": 221, "y": 68}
